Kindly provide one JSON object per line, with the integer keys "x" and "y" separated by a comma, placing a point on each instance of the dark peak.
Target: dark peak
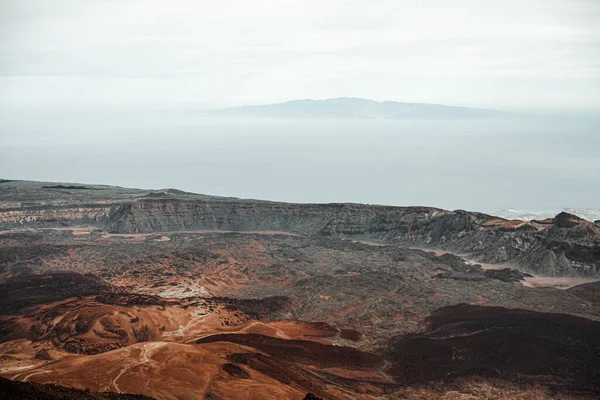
{"x": 166, "y": 193}
{"x": 175, "y": 191}
{"x": 566, "y": 220}
{"x": 312, "y": 396}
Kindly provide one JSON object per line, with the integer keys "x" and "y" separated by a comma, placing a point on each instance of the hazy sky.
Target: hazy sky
{"x": 497, "y": 54}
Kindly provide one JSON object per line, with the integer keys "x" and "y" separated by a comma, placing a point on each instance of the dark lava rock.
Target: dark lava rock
{"x": 350, "y": 334}
{"x": 311, "y": 396}
{"x": 458, "y": 276}
{"x": 506, "y": 274}
{"x": 302, "y": 351}
{"x": 467, "y": 340}
{"x": 236, "y": 371}
{"x": 21, "y": 292}
{"x": 285, "y": 372}
{"x": 130, "y": 299}
{"x": 266, "y": 308}
{"x": 43, "y": 355}
{"x": 11, "y": 390}
{"x": 81, "y": 346}
{"x": 566, "y": 220}
{"x": 587, "y": 291}
{"x": 586, "y": 254}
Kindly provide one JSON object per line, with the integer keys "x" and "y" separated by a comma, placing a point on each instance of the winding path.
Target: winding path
{"x": 145, "y": 351}
{"x": 381, "y": 371}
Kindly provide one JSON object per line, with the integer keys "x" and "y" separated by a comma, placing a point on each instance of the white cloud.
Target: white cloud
{"x": 199, "y": 52}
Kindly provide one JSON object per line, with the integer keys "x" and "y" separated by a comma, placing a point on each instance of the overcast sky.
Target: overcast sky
{"x": 496, "y": 54}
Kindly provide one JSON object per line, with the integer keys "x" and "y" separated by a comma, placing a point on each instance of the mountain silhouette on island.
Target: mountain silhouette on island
{"x": 348, "y": 107}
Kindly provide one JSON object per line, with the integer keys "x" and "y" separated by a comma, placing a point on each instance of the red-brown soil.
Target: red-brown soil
{"x": 137, "y": 294}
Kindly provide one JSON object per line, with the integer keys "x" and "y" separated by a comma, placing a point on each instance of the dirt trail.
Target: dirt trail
{"x": 38, "y": 372}
{"x": 145, "y": 352}
{"x": 19, "y": 368}
{"x": 381, "y": 371}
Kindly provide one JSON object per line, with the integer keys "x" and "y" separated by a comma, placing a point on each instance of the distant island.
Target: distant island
{"x": 348, "y": 107}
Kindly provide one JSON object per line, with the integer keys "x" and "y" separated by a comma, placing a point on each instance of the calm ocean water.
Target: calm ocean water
{"x": 542, "y": 164}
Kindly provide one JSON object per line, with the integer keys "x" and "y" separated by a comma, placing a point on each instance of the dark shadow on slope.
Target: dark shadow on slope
{"x": 557, "y": 349}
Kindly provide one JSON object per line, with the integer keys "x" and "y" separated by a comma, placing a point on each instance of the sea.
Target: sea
{"x": 535, "y": 163}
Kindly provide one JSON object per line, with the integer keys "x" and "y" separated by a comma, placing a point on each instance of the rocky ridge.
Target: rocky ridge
{"x": 564, "y": 246}
{"x": 171, "y": 294}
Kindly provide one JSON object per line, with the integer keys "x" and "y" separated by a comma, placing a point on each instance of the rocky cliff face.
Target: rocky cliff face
{"x": 565, "y": 245}
{"x": 49, "y": 216}
{"x": 341, "y": 220}
{"x": 553, "y": 248}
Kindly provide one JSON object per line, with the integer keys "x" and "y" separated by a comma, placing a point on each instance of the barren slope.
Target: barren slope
{"x": 172, "y": 294}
